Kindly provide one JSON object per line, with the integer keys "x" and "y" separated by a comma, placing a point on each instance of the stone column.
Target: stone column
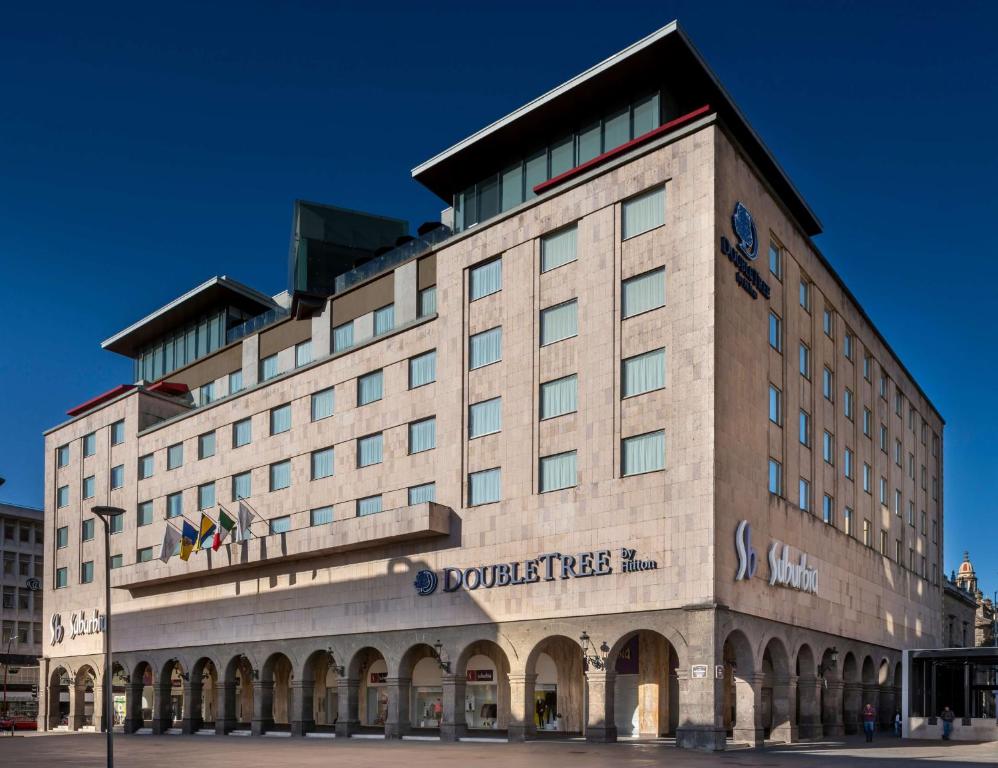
{"x": 397, "y": 720}
{"x": 302, "y": 714}
{"x": 831, "y": 709}
{"x": 75, "y": 705}
{"x": 133, "y": 707}
{"x": 701, "y": 701}
{"x": 162, "y": 716}
{"x": 851, "y": 707}
{"x": 98, "y": 716}
{"x": 263, "y": 706}
{"x": 521, "y": 706}
{"x": 887, "y": 707}
{"x": 188, "y": 718}
{"x": 225, "y": 707}
{"x": 455, "y": 722}
{"x": 347, "y": 706}
{"x": 44, "y": 713}
{"x": 785, "y": 710}
{"x": 748, "y": 710}
{"x": 809, "y": 694}
{"x": 600, "y": 724}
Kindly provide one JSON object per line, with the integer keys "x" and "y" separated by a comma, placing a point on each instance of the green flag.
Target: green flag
{"x": 225, "y": 526}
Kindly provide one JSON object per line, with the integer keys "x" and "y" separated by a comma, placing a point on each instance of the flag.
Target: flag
{"x": 171, "y": 538}
{"x": 207, "y": 531}
{"x": 190, "y": 537}
{"x": 225, "y": 526}
{"x": 245, "y": 517}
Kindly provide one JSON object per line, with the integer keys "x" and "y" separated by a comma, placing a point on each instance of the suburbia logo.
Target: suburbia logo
{"x": 783, "y": 571}
{"x": 746, "y": 552}
{"x": 79, "y": 624}
{"x": 747, "y": 249}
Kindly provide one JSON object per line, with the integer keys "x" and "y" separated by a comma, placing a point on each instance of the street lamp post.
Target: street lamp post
{"x": 106, "y": 515}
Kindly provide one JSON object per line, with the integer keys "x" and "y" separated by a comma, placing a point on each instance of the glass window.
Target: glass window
{"x": 206, "y": 496}
{"x": 617, "y": 129}
{"x": 847, "y": 345}
{"x": 562, "y": 154}
{"x": 558, "y": 472}
{"x": 175, "y": 505}
{"x": 175, "y": 456}
{"x": 484, "y": 487}
{"x": 369, "y": 450}
{"x": 559, "y": 248}
{"x": 883, "y": 491}
{"x": 242, "y": 432}
{"x": 118, "y": 432}
{"x": 559, "y": 322}
{"x": 485, "y": 348}
{"x": 645, "y": 115}
{"x": 805, "y": 361}
{"x": 206, "y": 445}
{"x": 280, "y": 419}
{"x": 303, "y": 353}
{"x": 143, "y": 514}
{"x": 428, "y": 301}
{"x": 827, "y": 509}
{"x": 643, "y": 213}
{"x": 775, "y": 477}
{"x": 62, "y": 537}
{"x": 235, "y": 382}
{"x": 536, "y": 172}
{"x": 828, "y": 447}
{"x": 280, "y": 475}
{"x": 207, "y": 393}
{"x": 343, "y": 337}
{"x": 485, "y": 418}
{"x": 804, "y": 428}
{"x": 847, "y": 462}
{"x": 775, "y": 260}
{"x": 421, "y": 494}
{"x": 643, "y": 453}
{"x": 643, "y": 292}
{"x": 384, "y": 319}
{"x": 62, "y": 455}
{"x": 804, "y": 495}
{"x": 775, "y": 404}
{"x": 883, "y": 438}
{"x": 827, "y": 322}
{"x": 370, "y": 387}
{"x": 867, "y": 478}
{"x": 117, "y": 524}
{"x": 827, "y": 383}
{"x": 323, "y": 403}
{"x": 847, "y": 404}
{"x": 242, "y": 486}
{"x": 511, "y": 182}
{"x": 422, "y": 435}
{"x": 87, "y": 530}
{"x": 117, "y": 476}
{"x": 89, "y": 483}
{"x": 589, "y": 144}
{"x": 422, "y": 369}
{"x": 322, "y": 463}
{"x": 867, "y": 421}
{"x": 87, "y": 572}
{"x": 775, "y": 332}
{"x": 370, "y": 505}
{"x": 143, "y": 555}
{"x": 268, "y": 368}
{"x": 866, "y": 367}
{"x": 558, "y": 397}
{"x": 485, "y": 279}
{"x": 280, "y": 524}
{"x": 61, "y": 577}
{"x": 89, "y": 444}
{"x": 805, "y": 294}
{"x": 320, "y": 516}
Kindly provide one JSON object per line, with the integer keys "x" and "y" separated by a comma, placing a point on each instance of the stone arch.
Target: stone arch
{"x": 777, "y": 701}
{"x": 808, "y": 699}
{"x": 740, "y": 698}
{"x": 852, "y": 693}
{"x": 646, "y": 698}
{"x": 140, "y": 699}
{"x": 205, "y": 686}
{"x": 320, "y": 692}
{"x": 486, "y": 703}
{"x": 274, "y": 706}
{"x": 868, "y": 671}
{"x": 238, "y": 696}
{"x": 554, "y": 665}
{"x": 830, "y": 690}
{"x": 885, "y": 703}
{"x": 420, "y": 676}
{"x": 119, "y": 690}
{"x": 61, "y": 690}
{"x": 368, "y": 708}
{"x": 172, "y": 687}
{"x": 86, "y": 698}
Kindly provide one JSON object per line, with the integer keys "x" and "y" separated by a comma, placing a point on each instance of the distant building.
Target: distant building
{"x": 959, "y": 611}
{"x": 984, "y": 620}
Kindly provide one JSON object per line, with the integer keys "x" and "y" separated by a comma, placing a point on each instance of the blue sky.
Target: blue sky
{"x": 144, "y": 149}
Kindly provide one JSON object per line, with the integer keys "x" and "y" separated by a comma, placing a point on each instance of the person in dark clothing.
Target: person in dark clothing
{"x": 869, "y": 720}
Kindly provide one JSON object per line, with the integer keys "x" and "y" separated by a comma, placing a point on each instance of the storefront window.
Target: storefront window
{"x": 481, "y": 700}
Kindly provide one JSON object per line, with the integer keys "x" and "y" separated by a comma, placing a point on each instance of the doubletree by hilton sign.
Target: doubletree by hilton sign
{"x": 551, "y": 566}
{"x": 743, "y": 252}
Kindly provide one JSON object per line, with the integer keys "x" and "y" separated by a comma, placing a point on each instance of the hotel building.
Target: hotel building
{"x": 611, "y": 451}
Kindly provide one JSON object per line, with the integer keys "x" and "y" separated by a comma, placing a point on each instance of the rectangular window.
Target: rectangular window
{"x": 146, "y": 466}
{"x": 87, "y": 572}
{"x": 323, "y": 464}
{"x": 427, "y": 301}
{"x": 206, "y": 445}
{"x": 206, "y": 496}
{"x": 898, "y": 451}
{"x": 89, "y": 484}
{"x": 643, "y": 292}
{"x": 828, "y": 447}
{"x": 911, "y": 513}
{"x": 61, "y": 577}
{"x": 422, "y": 435}
{"x": 87, "y": 530}
{"x": 369, "y": 450}
{"x": 643, "y": 373}
{"x": 485, "y": 348}
{"x": 143, "y": 514}
{"x": 62, "y": 455}
{"x": 242, "y": 486}
{"x": 303, "y": 353}
{"x": 370, "y": 387}
{"x": 828, "y": 509}
{"x": 775, "y": 332}
{"x": 775, "y": 404}
{"x": 343, "y": 337}
{"x": 280, "y": 419}
{"x": 175, "y": 456}
{"x": 370, "y": 505}
{"x": 175, "y": 505}
{"x": 775, "y": 260}
{"x": 422, "y": 369}
{"x": 847, "y": 521}
{"x": 616, "y": 129}
{"x": 558, "y": 472}
{"x": 805, "y": 361}
{"x": 62, "y": 496}
{"x": 643, "y": 453}
{"x": 645, "y": 115}
{"x": 883, "y": 438}
{"x": 280, "y": 475}
{"x": 484, "y": 487}
{"x": 643, "y": 212}
{"x": 867, "y": 422}
{"x": 847, "y": 406}
{"x": 848, "y": 469}
{"x": 384, "y": 319}
{"x": 897, "y": 502}
{"x": 242, "y": 432}
{"x": 898, "y": 403}
{"x": 235, "y": 382}
{"x": 280, "y": 524}
{"x": 117, "y": 524}
{"x": 883, "y": 542}
{"x": 143, "y": 555}
{"x": 62, "y": 537}
{"x": 559, "y": 322}
{"x": 559, "y": 248}
{"x": 89, "y": 444}
{"x": 924, "y": 528}
{"x": 805, "y": 294}
{"x": 485, "y": 418}
{"x": 847, "y": 345}
{"x": 118, "y": 432}
{"x": 320, "y": 516}
{"x": 207, "y": 393}
{"x": 867, "y": 533}
{"x": 883, "y": 491}
{"x": 804, "y": 428}
{"x": 268, "y": 368}
{"x": 867, "y": 366}
{"x": 421, "y": 494}
{"x": 883, "y": 386}
{"x": 323, "y": 403}
{"x": 827, "y": 322}
{"x": 775, "y": 477}
{"x": 827, "y": 384}
{"x": 804, "y": 495}
{"x": 117, "y": 476}
{"x": 485, "y": 279}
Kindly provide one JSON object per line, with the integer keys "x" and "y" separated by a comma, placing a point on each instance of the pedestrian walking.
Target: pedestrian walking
{"x": 869, "y": 719}
{"x": 897, "y": 724}
{"x": 947, "y": 717}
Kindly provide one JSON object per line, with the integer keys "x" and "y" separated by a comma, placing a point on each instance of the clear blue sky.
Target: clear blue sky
{"x": 145, "y": 148}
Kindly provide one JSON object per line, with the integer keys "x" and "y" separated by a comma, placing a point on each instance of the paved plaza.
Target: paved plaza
{"x": 82, "y": 750}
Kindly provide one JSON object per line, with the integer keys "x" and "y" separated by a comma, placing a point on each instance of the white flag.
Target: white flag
{"x": 245, "y": 517}
{"x": 171, "y": 538}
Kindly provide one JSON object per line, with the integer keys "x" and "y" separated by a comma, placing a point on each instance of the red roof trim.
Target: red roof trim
{"x": 642, "y": 139}
{"x": 169, "y": 388}
{"x": 95, "y": 401}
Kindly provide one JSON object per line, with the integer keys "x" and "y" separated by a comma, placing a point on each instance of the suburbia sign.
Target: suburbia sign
{"x": 551, "y": 566}
{"x": 783, "y": 571}
{"x": 744, "y": 251}
{"x": 79, "y": 624}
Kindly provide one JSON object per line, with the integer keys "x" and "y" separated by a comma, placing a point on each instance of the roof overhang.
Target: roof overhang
{"x": 213, "y": 294}
{"x": 639, "y": 66}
